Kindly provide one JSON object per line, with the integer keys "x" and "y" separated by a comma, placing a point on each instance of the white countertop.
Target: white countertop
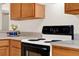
{"x": 70, "y": 43}
{"x": 16, "y": 37}
{"x": 24, "y": 39}
{"x": 4, "y": 36}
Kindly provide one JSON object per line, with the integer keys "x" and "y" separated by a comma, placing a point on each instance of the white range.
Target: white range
{"x": 46, "y": 39}
{"x": 42, "y": 45}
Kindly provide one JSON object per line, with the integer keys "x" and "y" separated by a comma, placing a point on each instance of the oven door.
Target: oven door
{"x": 35, "y": 50}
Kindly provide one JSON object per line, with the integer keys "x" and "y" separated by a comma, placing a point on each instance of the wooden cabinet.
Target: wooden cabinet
{"x": 64, "y": 51}
{"x": 4, "y": 42}
{"x": 15, "y": 51}
{"x": 15, "y": 48}
{"x": 9, "y": 47}
{"x": 4, "y": 51}
{"x": 20, "y": 11}
{"x": 28, "y": 10}
{"x": 4, "y": 47}
{"x": 15, "y": 43}
{"x": 71, "y": 8}
{"x": 15, "y": 11}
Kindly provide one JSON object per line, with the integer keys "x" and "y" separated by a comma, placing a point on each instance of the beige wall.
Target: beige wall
{"x": 54, "y": 16}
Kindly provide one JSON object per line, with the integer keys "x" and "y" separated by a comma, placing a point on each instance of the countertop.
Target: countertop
{"x": 70, "y": 43}
{"x": 25, "y": 38}
{"x": 5, "y": 36}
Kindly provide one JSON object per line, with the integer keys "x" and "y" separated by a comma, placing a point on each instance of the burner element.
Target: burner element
{"x": 36, "y": 39}
{"x": 41, "y": 39}
{"x": 52, "y": 41}
{"x": 33, "y": 40}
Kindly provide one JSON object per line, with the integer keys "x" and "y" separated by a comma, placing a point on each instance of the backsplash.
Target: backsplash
{"x": 23, "y": 34}
{"x": 76, "y": 36}
{"x": 38, "y": 35}
{"x": 31, "y": 34}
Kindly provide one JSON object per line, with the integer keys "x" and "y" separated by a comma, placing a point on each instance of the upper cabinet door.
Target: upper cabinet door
{"x": 15, "y": 11}
{"x": 28, "y": 10}
{"x": 39, "y": 11}
{"x": 72, "y": 8}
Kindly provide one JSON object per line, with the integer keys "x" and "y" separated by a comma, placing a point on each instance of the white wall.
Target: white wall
{"x": 54, "y": 16}
{"x": 4, "y": 16}
{"x": 0, "y": 18}
{"x": 28, "y": 25}
{"x": 5, "y": 22}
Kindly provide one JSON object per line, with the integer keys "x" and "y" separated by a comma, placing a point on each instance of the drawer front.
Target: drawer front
{"x": 15, "y": 43}
{"x": 4, "y": 42}
{"x": 63, "y": 51}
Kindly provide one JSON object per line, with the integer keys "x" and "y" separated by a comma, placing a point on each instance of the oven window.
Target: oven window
{"x": 32, "y": 53}
{"x": 34, "y": 50}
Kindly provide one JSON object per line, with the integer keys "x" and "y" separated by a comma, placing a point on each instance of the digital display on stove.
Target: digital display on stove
{"x": 58, "y": 30}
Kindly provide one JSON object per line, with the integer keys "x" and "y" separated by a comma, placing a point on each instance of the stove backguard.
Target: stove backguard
{"x": 59, "y": 30}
